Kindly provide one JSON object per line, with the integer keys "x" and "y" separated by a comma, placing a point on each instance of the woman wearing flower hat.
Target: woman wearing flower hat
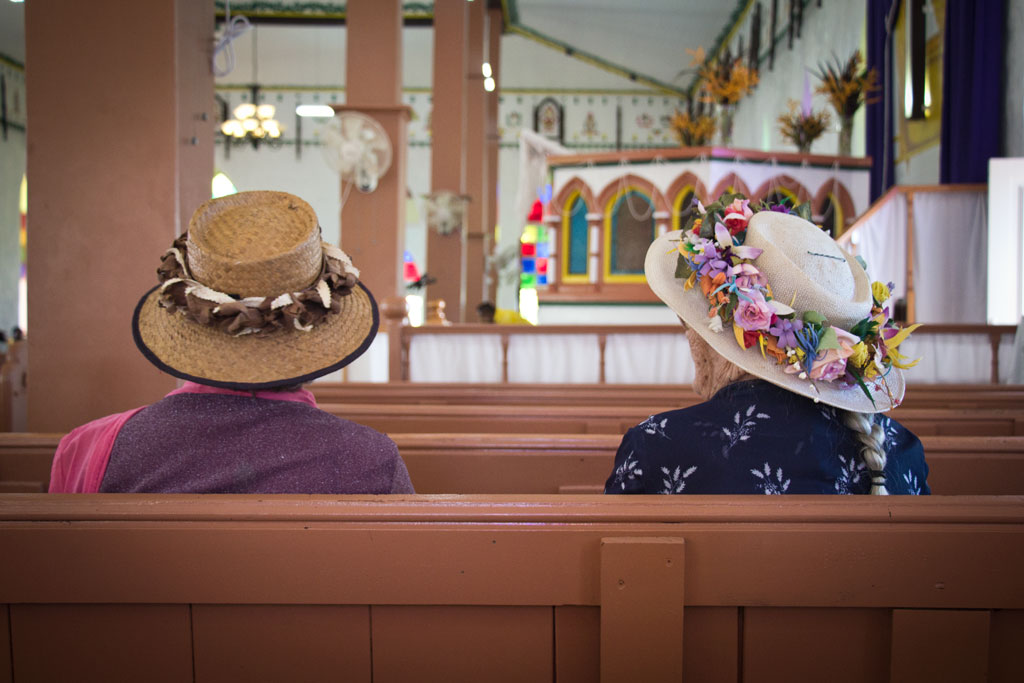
{"x": 795, "y": 356}
{"x": 251, "y": 304}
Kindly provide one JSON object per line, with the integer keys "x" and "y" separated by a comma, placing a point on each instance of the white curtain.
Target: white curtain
{"x": 648, "y": 359}
{"x": 534, "y": 150}
{"x": 950, "y": 257}
{"x": 455, "y": 358}
{"x": 554, "y": 358}
{"x": 882, "y": 243}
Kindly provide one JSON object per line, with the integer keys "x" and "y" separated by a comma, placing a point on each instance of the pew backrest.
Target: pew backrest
{"x": 496, "y": 588}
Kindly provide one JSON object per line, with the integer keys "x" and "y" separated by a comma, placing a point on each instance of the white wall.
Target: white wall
{"x": 835, "y": 29}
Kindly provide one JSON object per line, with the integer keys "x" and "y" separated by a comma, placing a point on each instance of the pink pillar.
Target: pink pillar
{"x": 120, "y": 151}
{"x": 477, "y": 178}
{"x": 373, "y": 225}
{"x": 494, "y": 30}
{"x": 446, "y": 253}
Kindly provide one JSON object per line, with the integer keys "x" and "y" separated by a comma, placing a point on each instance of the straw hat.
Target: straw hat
{"x": 804, "y": 265}
{"x": 251, "y": 298}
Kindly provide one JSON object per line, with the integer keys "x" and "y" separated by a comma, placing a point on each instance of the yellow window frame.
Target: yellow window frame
{"x": 677, "y": 204}
{"x": 566, "y": 276}
{"x": 606, "y": 257}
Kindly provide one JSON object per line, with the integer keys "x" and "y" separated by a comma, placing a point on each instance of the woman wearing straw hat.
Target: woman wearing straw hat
{"x": 251, "y": 304}
{"x": 795, "y": 356}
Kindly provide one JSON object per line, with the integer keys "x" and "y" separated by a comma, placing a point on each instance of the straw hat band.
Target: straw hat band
{"x": 809, "y": 269}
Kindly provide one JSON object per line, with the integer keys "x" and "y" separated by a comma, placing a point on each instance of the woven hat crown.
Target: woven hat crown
{"x": 804, "y": 265}
{"x": 255, "y": 244}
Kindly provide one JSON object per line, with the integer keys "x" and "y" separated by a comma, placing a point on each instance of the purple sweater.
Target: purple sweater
{"x": 229, "y": 443}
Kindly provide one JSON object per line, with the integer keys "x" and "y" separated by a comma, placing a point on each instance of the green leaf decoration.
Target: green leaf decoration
{"x": 707, "y": 228}
{"x": 865, "y": 328}
{"x": 727, "y": 311}
{"x": 804, "y": 211}
{"x": 828, "y": 340}
{"x": 683, "y": 268}
{"x": 860, "y": 382}
{"x": 814, "y": 318}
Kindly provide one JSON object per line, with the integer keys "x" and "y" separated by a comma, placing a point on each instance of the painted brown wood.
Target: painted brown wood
{"x": 100, "y": 642}
{"x": 940, "y": 646}
{"x": 1006, "y": 633}
{"x": 276, "y": 643}
{"x": 462, "y": 644}
{"x": 808, "y": 644}
{"x": 711, "y": 644}
{"x": 642, "y": 587}
{"x": 577, "y": 644}
{"x": 5, "y": 646}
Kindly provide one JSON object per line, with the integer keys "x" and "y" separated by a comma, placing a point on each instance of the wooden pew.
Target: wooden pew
{"x": 563, "y": 463}
{"x": 485, "y": 588}
{"x": 393, "y": 418}
{"x": 665, "y": 396}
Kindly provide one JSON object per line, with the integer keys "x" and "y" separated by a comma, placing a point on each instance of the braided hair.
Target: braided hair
{"x": 871, "y": 436}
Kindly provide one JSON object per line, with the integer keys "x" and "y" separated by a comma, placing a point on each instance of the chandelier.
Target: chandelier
{"x": 252, "y": 121}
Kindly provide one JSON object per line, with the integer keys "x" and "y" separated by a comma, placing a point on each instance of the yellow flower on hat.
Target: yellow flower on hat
{"x": 880, "y": 291}
{"x": 860, "y": 355}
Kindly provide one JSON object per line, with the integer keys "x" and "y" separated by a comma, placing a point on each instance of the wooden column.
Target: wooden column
{"x": 373, "y": 225}
{"x": 446, "y": 253}
{"x": 477, "y": 179}
{"x": 120, "y": 152}
{"x": 494, "y": 31}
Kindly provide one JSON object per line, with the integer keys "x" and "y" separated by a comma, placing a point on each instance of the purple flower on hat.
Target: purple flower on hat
{"x": 708, "y": 261}
{"x": 786, "y": 331}
{"x": 747, "y": 276}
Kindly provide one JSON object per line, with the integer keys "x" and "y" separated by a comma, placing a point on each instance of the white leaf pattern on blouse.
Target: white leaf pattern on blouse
{"x": 742, "y": 428}
{"x": 651, "y": 427}
{"x": 771, "y": 485}
{"x": 850, "y": 473}
{"x": 913, "y": 487}
{"x": 628, "y": 471}
{"x": 675, "y": 480}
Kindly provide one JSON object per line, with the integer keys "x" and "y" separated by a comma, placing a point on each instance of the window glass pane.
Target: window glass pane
{"x": 686, "y": 207}
{"x": 828, "y": 217}
{"x": 578, "y": 232}
{"x": 632, "y": 233}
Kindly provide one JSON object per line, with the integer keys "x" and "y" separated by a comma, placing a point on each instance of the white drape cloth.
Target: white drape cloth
{"x": 648, "y": 359}
{"x": 882, "y": 243}
{"x": 554, "y": 358}
{"x": 950, "y": 257}
{"x": 656, "y": 358}
{"x": 455, "y": 358}
{"x": 534, "y": 150}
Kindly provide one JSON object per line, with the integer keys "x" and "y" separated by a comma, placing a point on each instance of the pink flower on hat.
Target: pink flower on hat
{"x": 753, "y": 313}
{"x": 737, "y": 215}
{"x": 831, "y": 364}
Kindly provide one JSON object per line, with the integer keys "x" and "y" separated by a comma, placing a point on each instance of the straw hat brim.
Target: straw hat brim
{"x": 692, "y": 308}
{"x": 186, "y": 349}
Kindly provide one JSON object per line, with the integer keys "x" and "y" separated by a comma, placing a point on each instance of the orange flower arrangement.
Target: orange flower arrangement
{"x": 848, "y": 85}
{"x": 725, "y": 80}
{"x": 693, "y": 131}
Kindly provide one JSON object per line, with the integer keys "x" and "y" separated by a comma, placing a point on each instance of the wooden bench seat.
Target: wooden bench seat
{"x": 563, "y": 463}
{"x": 666, "y": 396}
{"x": 484, "y": 588}
{"x": 393, "y": 418}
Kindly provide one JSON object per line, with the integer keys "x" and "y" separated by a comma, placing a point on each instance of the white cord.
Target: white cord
{"x": 234, "y": 28}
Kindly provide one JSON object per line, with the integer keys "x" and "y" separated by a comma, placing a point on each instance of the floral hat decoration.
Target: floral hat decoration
{"x": 252, "y": 298}
{"x": 775, "y": 295}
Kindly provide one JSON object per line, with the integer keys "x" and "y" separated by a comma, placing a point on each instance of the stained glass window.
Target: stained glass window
{"x": 579, "y": 248}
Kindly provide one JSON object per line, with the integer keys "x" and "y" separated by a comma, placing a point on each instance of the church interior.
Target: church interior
{"x": 519, "y": 337}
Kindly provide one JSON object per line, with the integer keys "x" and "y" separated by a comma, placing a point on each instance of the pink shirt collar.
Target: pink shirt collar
{"x": 301, "y": 396}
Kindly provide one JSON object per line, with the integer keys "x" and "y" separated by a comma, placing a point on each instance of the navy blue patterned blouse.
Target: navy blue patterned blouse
{"x": 755, "y": 437}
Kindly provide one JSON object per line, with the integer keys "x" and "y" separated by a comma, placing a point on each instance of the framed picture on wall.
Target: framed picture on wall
{"x": 548, "y": 119}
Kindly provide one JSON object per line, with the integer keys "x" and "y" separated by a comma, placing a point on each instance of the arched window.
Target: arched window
{"x": 629, "y": 231}
{"x": 575, "y": 240}
{"x": 682, "y": 207}
{"x": 831, "y": 216}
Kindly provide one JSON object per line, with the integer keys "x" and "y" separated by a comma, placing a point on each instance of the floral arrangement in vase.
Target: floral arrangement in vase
{"x": 802, "y": 125}
{"x": 693, "y": 130}
{"x": 847, "y": 85}
{"x": 725, "y": 80}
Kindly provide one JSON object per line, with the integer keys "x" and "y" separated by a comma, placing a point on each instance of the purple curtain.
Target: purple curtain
{"x": 879, "y": 114}
{"x": 972, "y": 83}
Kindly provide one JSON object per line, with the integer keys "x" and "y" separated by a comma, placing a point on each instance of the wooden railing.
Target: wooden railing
{"x": 994, "y": 333}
